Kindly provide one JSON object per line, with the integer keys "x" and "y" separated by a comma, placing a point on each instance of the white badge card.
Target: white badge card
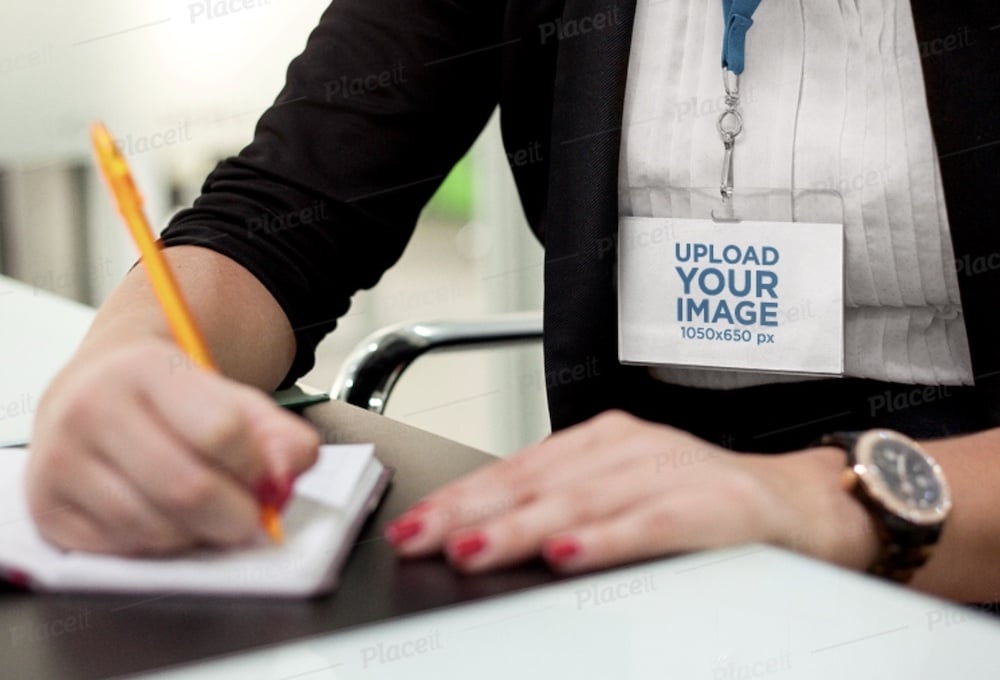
{"x": 748, "y": 295}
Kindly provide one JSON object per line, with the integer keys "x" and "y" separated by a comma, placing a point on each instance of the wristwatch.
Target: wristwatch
{"x": 905, "y": 491}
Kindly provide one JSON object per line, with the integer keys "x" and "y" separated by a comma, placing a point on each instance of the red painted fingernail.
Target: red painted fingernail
{"x": 274, "y": 492}
{"x": 17, "y": 578}
{"x": 403, "y": 530}
{"x": 267, "y": 491}
{"x": 467, "y": 546}
{"x": 561, "y": 549}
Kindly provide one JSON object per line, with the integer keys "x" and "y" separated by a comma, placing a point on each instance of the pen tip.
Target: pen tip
{"x": 270, "y": 518}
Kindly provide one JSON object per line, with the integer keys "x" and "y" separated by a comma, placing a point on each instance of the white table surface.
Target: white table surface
{"x": 39, "y": 332}
{"x": 745, "y": 612}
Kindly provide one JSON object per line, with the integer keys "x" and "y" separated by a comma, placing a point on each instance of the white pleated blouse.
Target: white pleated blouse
{"x": 833, "y": 97}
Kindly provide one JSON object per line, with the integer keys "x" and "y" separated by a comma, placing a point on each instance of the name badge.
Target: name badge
{"x": 750, "y": 295}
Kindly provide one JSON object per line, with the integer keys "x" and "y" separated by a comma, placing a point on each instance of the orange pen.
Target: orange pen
{"x": 182, "y": 324}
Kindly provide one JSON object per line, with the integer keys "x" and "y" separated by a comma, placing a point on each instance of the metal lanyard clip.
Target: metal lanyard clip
{"x": 730, "y": 126}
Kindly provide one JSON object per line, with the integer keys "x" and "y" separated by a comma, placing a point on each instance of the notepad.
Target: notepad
{"x": 329, "y": 505}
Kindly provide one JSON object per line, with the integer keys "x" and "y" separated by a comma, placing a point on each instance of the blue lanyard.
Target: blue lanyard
{"x": 738, "y": 15}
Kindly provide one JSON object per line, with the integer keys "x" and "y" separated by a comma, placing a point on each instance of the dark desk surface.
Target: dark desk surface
{"x": 45, "y": 636}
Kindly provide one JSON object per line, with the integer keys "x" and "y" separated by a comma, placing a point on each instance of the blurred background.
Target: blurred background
{"x": 181, "y": 91}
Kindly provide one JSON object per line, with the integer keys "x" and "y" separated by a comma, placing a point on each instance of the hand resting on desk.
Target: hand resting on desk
{"x": 617, "y": 489}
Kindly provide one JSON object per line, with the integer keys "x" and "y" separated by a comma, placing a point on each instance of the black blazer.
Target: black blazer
{"x": 389, "y": 94}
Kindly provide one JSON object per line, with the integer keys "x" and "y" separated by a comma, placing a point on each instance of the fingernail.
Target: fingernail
{"x": 467, "y": 546}
{"x": 403, "y": 530}
{"x": 276, "y": 492}
{"x": 17, "y": 578}
{"x": 561, "y": 550}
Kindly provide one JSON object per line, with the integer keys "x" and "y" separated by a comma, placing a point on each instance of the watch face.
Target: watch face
{"x": 899, "y": 475}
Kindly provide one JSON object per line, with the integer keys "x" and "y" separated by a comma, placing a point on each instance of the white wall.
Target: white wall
{"x": 144, "y": 68}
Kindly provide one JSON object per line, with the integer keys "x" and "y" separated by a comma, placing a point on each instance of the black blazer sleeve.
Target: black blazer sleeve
{"x": 385, "y": 99}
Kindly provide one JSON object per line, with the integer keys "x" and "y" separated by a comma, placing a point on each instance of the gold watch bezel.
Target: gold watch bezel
{"x": 877, "y": 489}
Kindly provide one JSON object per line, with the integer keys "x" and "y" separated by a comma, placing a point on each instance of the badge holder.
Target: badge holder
{"x": 743, "y": 280}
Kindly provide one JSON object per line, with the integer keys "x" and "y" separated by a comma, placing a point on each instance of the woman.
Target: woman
{"x": 833, "y": 97}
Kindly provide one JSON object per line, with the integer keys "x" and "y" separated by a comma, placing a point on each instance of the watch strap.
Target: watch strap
{"x": 844, "y": 440}
{"x": 905, "y": 546}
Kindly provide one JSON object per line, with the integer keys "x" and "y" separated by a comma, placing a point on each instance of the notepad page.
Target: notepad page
{"x": 21, "y": 549}
{"x": 326, "y": 501}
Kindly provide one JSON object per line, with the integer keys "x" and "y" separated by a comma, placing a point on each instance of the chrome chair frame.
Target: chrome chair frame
{"x": 374, "y": 366}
